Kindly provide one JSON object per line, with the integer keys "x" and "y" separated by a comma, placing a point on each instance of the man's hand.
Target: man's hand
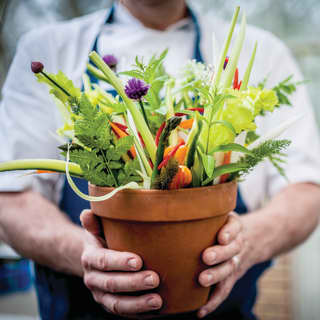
{"x": 229, "y": 260}
{"x": 108, "y": 273}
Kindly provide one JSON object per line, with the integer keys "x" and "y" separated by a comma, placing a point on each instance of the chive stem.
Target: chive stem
{"x": 56, "y": 84}
{"x": 144, "y": 113}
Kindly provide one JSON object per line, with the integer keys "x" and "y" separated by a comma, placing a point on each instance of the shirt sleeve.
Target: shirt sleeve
{"x": 28, "y": 117}
{"x": 303, "y": 161}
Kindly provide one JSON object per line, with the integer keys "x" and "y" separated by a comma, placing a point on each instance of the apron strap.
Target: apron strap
{"x": 109, "y": 20}
{"x": 197, "y": 55}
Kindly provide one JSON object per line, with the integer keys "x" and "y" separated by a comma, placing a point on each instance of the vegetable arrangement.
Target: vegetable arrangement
{"x": 162, "y": 132}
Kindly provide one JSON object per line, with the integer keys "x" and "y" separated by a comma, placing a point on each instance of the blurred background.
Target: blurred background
{"x": 292, "y": 289}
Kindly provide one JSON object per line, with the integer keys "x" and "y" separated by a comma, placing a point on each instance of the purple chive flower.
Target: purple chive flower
{"x": 136, "y": 89}
{"x": 110, "y": 60}
{"x": 225, "y": 63}
{"x": 36, "y": 67}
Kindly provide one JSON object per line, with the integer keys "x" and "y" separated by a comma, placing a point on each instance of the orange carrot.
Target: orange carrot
{"x": 120, "y": 134}
{"x": 45, "y": 171}
{"x": 186, "y": 124}
{"x": 226, "y": 160}
{"x": 170, "y": 155}
{"x": 182, "y": 179}
{"x": 120, "y": 126}
{"x": 181, "y": 153}
{"x": 167, "y": 150}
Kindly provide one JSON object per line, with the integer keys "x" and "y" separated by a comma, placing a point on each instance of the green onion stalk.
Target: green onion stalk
{"x": 220, "y": 81}
{"x": 223, "y": 79}
{"x": 58, "y": 166}
{"x": 173, "y": 139}
{"x": 139, "y": 121}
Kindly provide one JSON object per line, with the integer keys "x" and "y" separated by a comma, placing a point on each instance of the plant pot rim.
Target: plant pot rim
{"x": 144, "y": 205}
{"x": 166, "y": 192}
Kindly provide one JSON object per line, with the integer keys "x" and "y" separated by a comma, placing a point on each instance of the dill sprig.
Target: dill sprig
{"x": 271, "y": 149}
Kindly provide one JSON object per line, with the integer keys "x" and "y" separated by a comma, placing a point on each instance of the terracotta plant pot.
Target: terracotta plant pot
{"x": 169, "y": 230}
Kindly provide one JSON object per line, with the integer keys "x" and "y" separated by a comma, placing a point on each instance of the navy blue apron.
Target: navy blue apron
{"x": 63, "y": 297}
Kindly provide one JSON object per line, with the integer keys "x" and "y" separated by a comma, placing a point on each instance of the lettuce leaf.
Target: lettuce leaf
{"x": 263, "y": 99}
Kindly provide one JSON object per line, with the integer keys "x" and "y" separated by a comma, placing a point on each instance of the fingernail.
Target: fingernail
{"x": 154, "y": 303}
{"x": 203, "y": 313}
{"x": 208, "y": 280}
{"x": 226, "y": 237}
{"x": 133, "y": 263}
{"x": 149, "y": 281}
{"x": 211, "y": 257}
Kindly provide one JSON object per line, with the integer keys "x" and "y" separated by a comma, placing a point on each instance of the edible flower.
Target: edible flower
{"x": 111, "y": 61}
{"x": 136, "y": 89}
{"x": 36, "y": 67}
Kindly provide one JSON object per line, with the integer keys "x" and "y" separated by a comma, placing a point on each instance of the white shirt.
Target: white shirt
{"x": 28, "y": 114}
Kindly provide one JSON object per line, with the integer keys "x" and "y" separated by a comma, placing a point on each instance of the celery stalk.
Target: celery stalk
{"x": 141, "y": 154}
{"x": 86, "y": 82}
{"x": 96, "y": 72}
{"x": 136, "y": 114}
{"x": 228, "y": 75}
{"x": 246, "y": 77}
{"x": 41, "y": 164}
{"x": 173, "y": 139}
{"x": 216, "y": 80}
{"x": 226, "y": 48}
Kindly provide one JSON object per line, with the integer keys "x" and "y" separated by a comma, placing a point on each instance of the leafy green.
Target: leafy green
{"x": 277, "y": 162}
{"x": 217, "y": 128}
{"x": 231, "y": 147}
{"x": 129, "y": 172}
{"x": 224, "y": 169}
{"x": 92, "y": 127}
{"x": 283, "y": 90}
{"x": 263, "y": 99}
{"x": 154, "y": 74}
{"x": 235, "y": 111}
{"x": 269, "y": 149}
{"x": 121, "y": 146}
{"x": 251, "y": 137}
{"x": 63, "y": 81}
{"x": 193, "y": 145}
{"x": 208, "y": 162}
{"x": 155, "y": 121}
{"x": 100, "y": 153}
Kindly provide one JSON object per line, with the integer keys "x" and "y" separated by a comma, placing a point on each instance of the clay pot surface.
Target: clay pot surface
{"x": 169, "y": 229}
